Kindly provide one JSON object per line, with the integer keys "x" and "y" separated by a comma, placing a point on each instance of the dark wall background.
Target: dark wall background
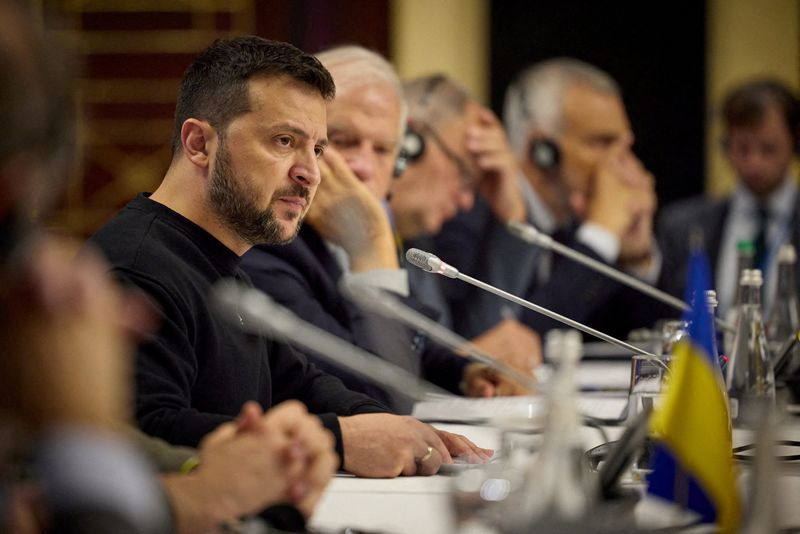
{"x": 656, "y": 51}
{"x": 314, "y": 25}
{"x": 133, "y": 57}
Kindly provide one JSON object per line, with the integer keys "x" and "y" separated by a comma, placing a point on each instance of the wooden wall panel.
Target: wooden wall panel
{"x": 133, "y": 54}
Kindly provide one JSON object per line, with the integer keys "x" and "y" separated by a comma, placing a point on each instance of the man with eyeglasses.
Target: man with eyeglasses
{"x": 349, "y": 234}
{"x": 454, "y": 148}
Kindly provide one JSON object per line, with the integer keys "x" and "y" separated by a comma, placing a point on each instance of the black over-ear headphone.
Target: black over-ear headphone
{"x": 411, "y": 148}
{"x": 401, "y": 162}
{"x": 542, "y": 152}
{"x": 413, "y": 145}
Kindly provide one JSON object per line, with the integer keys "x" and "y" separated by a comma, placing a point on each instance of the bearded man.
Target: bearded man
{"x": 250, "y": 125}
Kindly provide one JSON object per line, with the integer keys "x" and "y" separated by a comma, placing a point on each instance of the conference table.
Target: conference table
{"x": 425, "y": 505}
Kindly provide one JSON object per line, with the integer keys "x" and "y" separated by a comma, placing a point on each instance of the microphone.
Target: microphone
{"x": 382, "y": 302}
{"x": 528, "y": 233}
{"x": 431, "y": 263}
{"x": 257, "y": 313}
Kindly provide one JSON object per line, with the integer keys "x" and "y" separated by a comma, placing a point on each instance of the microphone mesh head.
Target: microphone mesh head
{"x": 419, "y": 258}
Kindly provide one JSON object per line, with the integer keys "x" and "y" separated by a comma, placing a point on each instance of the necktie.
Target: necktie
{"x": 760, "y": 238}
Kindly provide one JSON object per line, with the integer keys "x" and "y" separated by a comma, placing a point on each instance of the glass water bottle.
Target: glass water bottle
{"x": 750, "y": 378}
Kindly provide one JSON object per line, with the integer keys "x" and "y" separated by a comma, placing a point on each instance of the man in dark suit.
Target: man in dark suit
{"x": 458, "y": 154}
{"x": 582, "y": 184}
{"x": 349, "y": 235}
{"x": 761, "y": 135}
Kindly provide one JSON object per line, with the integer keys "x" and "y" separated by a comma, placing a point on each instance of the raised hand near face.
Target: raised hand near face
{"x": 346, "y": 213}
{"x": 499, "y": 174}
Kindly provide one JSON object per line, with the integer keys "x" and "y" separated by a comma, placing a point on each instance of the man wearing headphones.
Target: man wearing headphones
{"x": 762, "y": 121}
{"x": 455, "y": 147}
{"x": 582, "y": 184}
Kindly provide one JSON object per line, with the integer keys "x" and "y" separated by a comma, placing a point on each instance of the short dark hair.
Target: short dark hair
{"x": 746, "y": 105}
{"x": 214, "y": 86}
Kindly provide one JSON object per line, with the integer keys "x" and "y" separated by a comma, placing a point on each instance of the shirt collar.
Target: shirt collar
{"x": 223, "y": 257}
{"x": 779, "y": 203}
{"x": 538, "y": 212}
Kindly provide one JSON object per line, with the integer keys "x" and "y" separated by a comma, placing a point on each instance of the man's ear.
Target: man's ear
{"x": 196, "y": 138}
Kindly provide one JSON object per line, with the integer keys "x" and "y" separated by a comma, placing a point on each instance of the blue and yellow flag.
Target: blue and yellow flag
{"x": 693, "y": 461}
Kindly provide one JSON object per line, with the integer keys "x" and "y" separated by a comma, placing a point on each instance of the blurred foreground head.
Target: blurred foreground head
{"x": 37, "y": 112}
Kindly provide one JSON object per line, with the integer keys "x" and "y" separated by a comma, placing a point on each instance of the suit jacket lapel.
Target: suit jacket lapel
{"x": 321, "y": 253}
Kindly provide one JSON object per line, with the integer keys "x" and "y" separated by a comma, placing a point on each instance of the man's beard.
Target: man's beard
{"x": 232, "y": 200}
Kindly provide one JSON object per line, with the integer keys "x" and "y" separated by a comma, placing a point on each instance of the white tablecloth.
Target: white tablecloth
{"x": 421, "y": 505}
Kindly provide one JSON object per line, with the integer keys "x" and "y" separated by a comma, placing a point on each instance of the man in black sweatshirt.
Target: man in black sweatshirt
{"x": 250, "y": 125}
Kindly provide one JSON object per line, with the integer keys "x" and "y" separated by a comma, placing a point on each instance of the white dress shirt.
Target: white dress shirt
{"x": 601, "y": 241}
{"x": 740, "y": 224}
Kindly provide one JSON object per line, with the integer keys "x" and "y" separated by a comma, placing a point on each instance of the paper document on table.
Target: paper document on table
{"x": 460, "y": 409}
{"x": 604, "y": 375}
{"x": 593, "y": 350}
{"x": 596, "y": 375}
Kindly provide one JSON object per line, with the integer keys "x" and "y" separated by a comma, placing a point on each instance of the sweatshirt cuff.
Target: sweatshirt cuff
{"x": 331, "y": 422}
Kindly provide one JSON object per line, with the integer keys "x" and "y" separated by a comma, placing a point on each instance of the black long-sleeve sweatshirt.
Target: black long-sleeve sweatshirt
{"x": 199, "y": 368}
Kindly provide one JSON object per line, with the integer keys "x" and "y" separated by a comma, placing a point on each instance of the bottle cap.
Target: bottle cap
{"x": 746, "y": 247}
{"x": 751, "y": 277}
{"x": 787, "y": 254}
{"x": 711, "y": 298}
{"x": 563, "y": 346}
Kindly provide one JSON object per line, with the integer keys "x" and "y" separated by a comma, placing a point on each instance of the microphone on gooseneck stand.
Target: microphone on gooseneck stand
{"x": 431, "y": 263}
{"x": 528, "y": 233}
{"x": 258, "y": 314}
{"x": 382, "y": 302}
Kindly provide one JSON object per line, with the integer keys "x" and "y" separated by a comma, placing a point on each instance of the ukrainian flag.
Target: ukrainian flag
{"x": 693, "y": 460}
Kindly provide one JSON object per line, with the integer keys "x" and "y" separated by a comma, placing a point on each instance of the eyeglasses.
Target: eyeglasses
{"x": 468, "y": 177}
